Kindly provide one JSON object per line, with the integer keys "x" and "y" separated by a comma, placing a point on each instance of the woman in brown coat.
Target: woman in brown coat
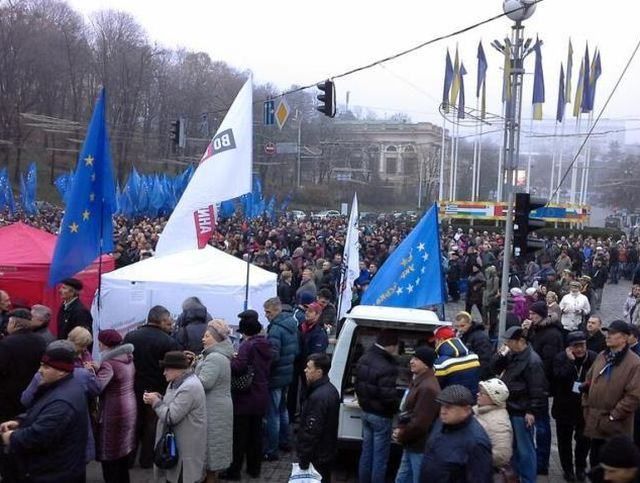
{"x": 418, "y": 411}
{"x": 117, "y": 409}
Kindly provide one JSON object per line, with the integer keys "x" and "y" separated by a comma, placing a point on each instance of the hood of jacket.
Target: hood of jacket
{"x": 122, "y": 349}
{"x": 452, "y": 348}
{"x": 194, "y": 315}
{"x": 491, "y": 271}
{"x": 225, "y": 348}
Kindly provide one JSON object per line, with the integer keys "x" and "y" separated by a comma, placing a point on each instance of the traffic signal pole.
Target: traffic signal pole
{"x": 511, "y": 154}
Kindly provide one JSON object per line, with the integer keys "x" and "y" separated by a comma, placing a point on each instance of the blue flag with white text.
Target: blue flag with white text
{"x": 86, "y": 230}
{"x": 412, "y": 275}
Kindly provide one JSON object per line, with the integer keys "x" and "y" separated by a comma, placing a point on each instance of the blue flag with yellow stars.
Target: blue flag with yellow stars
{"x": 87, "y": 227}
{"x": 412, "y": 275}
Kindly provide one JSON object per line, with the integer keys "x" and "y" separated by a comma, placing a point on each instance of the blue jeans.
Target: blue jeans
{"x": 277, "y": 427}
{"x": 543, "y": 442}
{"x": 376, "y": 444}
{"x": 524, "y": 451}
{"x": 410, "y": 464}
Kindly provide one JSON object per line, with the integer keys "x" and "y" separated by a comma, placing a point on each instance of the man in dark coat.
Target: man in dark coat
{"x": 48, "y": 443}
{"x": 474, "y": 336}
{"x": 40, "y": 319}
{"x": 73, "y": 313}
{"x": 595, "y": 338}
{"x": 318, "y": 436}
{"x": 458, "y": 448}
{"x": 151, "y": 342}
{"x": 375, "y": 386}
{"x": 569, "y": 369}
{"x": 194, "y": 324}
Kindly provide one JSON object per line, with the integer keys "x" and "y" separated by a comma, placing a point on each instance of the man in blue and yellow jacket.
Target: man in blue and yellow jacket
{"x": 455, "y": 364}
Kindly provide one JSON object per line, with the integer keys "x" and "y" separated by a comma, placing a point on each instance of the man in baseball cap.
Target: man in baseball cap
{"x": 458, "y": 448}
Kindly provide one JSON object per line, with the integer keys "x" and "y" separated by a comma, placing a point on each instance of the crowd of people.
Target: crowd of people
{"x": 478, "y": 408}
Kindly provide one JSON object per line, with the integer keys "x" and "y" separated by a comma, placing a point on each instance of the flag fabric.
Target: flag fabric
{"x": 538, "y": 84}
{"x": 448, "y": 79}
{"x": 578, "y": 100}
{"x": 481, "y": 88}
{"x": 63, "y": 185}
{"x": 350, "y": 269}
{"x": 561, "y": 99}
{"x": 586, "y": 82}
{"x": 28, "y": 188}
{"x": 596, "y": 71}
{"x": 455, "y": 85}
{"x": 86, "y": 230}
{"x": 506, "y": 81}
{"x": 461, "y": 99}
{"x": 7, "y": 201}
{"x": 412, "y": 275}
{"x": 224, "y": 173}
{"x": 567, "y": 90}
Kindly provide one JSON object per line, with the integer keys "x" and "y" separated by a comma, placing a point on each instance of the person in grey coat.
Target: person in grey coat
{"x": 213, "y": 368}
{"x": 184, "y": 406}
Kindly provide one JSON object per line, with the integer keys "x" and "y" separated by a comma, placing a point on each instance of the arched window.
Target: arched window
{"x": 391, "y": 159}
{"x": 410, "y": 161}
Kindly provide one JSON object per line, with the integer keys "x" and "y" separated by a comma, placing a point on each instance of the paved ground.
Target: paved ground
{"x": 613, "y": 300}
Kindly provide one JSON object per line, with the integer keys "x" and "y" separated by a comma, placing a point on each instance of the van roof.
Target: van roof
{"x": 395, "y": 314}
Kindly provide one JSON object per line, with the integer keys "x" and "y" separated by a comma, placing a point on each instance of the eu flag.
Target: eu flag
{"x": 87, "y": 227}
{"x": 412, "y": 275}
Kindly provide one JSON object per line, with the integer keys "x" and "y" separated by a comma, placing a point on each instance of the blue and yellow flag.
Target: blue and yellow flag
{"x": 461, "y": 98}
{"x": 586, "y": 83}
{"x": 412, "y": 275}
{"x": 561, "y": 98}
{"x": 87, "y": 227}
{"x": 448, "y": 79}
{"x": 567, "y": 90}
{"x": 596, "y": 71}
{"x": 538, "y": 84}
{"x": 481, "y": 87}
{"x": 579, "y": 86}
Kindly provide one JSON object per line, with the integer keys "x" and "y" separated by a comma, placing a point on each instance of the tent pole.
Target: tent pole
{"x": 246, "y": 286}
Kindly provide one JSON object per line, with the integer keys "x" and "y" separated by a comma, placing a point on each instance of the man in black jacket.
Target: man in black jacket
{"x": 569, "y": 370}
{"x": 522, "y": 371}
{"x": 375, "y": 385}
{"x": 151, "y": 342}
{"x": 599, "y": 277}
{"x": 73, "y": 313}
{"x": 318, "y": 435}
{"x": 595, "y": 338}
{"x": 473, "y": 335}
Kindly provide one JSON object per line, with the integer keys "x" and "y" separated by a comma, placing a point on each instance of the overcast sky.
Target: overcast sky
{"x": 289, "y": 42}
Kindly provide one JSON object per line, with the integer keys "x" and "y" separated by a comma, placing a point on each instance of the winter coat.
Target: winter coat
{"x": 214, "y": 371}
{"x": 150, "y": 344}
{"x": 567, "y": 405}
{"x": 455, "y": 364}
{"x": 317, "y": 440}
{"x": 573, "y": 309}
{"x": 87, "y": 379}
{"x": 255, "y": 352}
{"x": 629, "y": 306}
{"x": 309, "y": 286}
{"x": 547, "y": 340}
{"x": 283, "y": 335}
{"x": 476, "y": 287}
{"x": 478, "y": 342}
{"x": 44, "y": 333}
{"x": 419, "y": 412}
{"x": 49, "y": 445}
{"x": 599, "y": 277}
{"x": 555, "y": 314}
{"x": 459, "y": 453}
{"x": 611, "y": 392}
{"x": 71, "y": 316}
{"x": 185, "y": 404}
{"x": 375, "y": 386}
{"x": 520, "y": 307}
{"x": 286, "y": 293}
{"x": 189, "y": 335}
{"x": 596, "y": 342}
{"x": 20, "y": 356}
{"x": 635, "y": 317}
{"x": 314, "y": 341}
{"x": 329, "y": 315}
{"x": 523, "y": 373}
{"x": 491, "y": 293}
{"x": 116, "y": 436}
{"x": 495, "y": 421}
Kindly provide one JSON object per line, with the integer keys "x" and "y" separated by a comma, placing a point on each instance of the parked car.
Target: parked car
{"x": 323, "y": 215}
{"x": 297, "y": 214}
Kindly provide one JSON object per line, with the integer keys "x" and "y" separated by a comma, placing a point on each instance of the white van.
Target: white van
{"x": 358, "y": 333}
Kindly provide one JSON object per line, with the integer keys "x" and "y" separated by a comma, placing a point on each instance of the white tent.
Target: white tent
{"x": 216, "y": 278}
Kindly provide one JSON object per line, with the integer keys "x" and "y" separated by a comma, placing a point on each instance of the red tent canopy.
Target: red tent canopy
{"x": 25, "y": 258}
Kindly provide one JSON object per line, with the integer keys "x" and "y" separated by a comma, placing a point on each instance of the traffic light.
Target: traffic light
{"x": 328, "y": 99}
{"x": 174, "y": 132}
{"x": 524, "y": 224}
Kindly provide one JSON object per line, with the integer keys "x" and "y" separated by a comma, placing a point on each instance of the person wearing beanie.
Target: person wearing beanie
{"x": 619, "y": 462}
{"x": 455, "y": 363}
{"x": 418, "y": 411}
{"x": 458, "y": 448}
{"x": 116, "y": 431}
{"x": 72, "y": 313}
{"x": 314, "y": 336}
{"x": 304, "y": 299}
{"x": 58, "y": 408}
{"x": 375, "y": 386}
{"x": 570, "y": 367}
{"x": 491, "y": 413}
{"x": 546, "y": 339}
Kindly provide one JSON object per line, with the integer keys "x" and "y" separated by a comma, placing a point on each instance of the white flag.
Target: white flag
{"x": 224, "y": 173}
{"x": 350, "y": 260}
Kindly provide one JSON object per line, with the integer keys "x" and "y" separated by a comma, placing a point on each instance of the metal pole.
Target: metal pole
{"x": 500, "y": 186}
{"x": 586, "y": 178}
{"x": 478, "y": 168}
{"x": 564, "y": 121}
{"x": 455, "y": 164}
{"x": 553, "y": 157}
{"x": 474, "y": 169}
{"x": 453, "y": 149}
{"x": 511, "y": 155}
{"x": 420, "y": 185}
{"x": 530, "y": 154}
{"x": 442, "y": 149}
{"x": 574, "y": 168}
{"x": 299, "y": 149}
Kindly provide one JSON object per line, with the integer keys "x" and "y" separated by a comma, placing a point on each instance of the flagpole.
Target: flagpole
{"x": 474, "y": 169}
{"x": 553, "y": 157}
{"x": 442, "y": 149}
{"x": 453, "y": 148}
{"x": 455, "y": 164}
{"x": 501, "y": 162}
{"x": 246, "y": 285}
{"x": 574, "y": 168}
{"x": 529, "y": 158}
{"x": 586, "y": 179}
{"x": 479, "y": 170}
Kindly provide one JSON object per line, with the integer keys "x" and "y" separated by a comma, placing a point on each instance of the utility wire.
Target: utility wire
{"x": 595, "y": 123}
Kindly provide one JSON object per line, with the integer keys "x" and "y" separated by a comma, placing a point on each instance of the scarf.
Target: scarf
{"x": 612, "y": 359}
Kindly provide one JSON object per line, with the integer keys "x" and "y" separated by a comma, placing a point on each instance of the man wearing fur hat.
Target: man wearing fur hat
{"x": 73, "y": 313}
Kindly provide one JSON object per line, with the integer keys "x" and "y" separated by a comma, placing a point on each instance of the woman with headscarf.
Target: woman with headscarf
{"x": 115, "y": 438}
{"x": 213, "y": 368}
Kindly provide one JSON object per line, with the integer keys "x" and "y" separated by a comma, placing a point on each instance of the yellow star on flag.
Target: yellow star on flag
{"x": 73, "y": 227}
{"x": 88, "y": 160}
{"x": 85, "y": 215}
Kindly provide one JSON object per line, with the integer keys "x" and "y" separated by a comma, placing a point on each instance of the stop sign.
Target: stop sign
{"x": 270, "y": 148}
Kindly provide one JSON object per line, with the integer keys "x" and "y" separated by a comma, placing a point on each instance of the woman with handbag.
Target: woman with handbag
{"x": 250, "y": 393}
{"x": 116, "y": 424}
{"x": 213, "y": 368}
{"x": 181, "y": 412}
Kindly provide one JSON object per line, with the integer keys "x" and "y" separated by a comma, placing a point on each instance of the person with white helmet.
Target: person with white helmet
{"x": 491, "y": 413}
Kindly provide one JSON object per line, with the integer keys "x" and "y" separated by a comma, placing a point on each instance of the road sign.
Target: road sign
{"x": 270, "y": 148}
{"x": 282, "y": 112}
